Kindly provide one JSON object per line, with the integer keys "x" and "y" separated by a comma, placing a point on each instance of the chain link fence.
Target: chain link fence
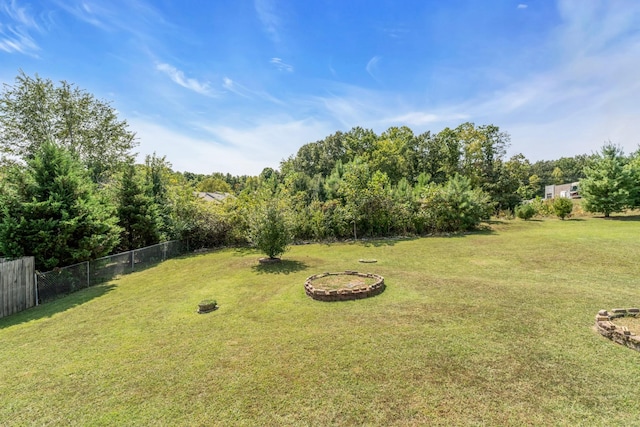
{"x": 65, "y": 280}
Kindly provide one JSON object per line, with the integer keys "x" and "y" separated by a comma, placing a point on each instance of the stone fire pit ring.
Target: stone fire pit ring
{"x": 347, "y": 292}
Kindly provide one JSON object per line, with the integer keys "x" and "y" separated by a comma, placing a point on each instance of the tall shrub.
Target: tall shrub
{"x": 562, "y": 207}
{"x": 455, "y": 206}
{"x": 269, "y": 229}
{"x": 607, "y": 183}
{"x": 52, "y": 212}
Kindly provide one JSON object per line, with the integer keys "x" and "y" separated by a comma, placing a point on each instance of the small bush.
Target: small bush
{"x": 526, "y": 211}
{"x": 543, "y": 207}
{"x": 562, "y": 207}
{"x": 454, "y": 206}
{"x": 270, "y": 230}
{"x": 506, "y": 214}
{"x": 207, "y": 305}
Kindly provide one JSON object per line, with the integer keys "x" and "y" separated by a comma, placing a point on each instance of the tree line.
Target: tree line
{"x": 70, "y": 190}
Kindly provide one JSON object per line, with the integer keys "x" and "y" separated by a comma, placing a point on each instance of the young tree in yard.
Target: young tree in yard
{"x": 50, "y": 210}
{"x": 525, "y": 211}
{"x": 455, "y": 206}
{"x": 562, "y": 207}
{"x": 158, "y": 172}
{"x": 269, "y": 228}
{"x": 606, "y": 185}
{"x": 34, "y": 111}
{"x": 137, "y": 212}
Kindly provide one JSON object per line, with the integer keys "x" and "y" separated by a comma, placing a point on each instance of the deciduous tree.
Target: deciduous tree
{"x": 269, "y": 228}
{"x": 34, "y": 111}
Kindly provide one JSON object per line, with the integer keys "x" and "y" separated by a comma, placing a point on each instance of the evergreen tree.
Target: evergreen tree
{"x": 50, "y": 210}
{"x": 606, "y": 185}
{"x": 158, "y": 172}
{"x": 137, "y": 213}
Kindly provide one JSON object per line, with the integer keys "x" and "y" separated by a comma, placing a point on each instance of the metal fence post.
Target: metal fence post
{"x": 88, "y": 277}
{"x": 132, "y": 259}
{"x": 35, "y": 276}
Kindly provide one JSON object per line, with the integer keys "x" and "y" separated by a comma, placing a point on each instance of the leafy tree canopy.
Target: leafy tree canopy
{"x": 34, "y": 111}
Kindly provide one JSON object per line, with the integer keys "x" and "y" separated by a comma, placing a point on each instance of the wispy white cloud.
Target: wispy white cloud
{"x": 187, "y": 153}
{"x": 135, "y": 17}
{"x": 99, "y": 15}
{"x": 372, "y": 66}
{"x": 269, "y": 139}
{"x": 15, "y": 36}
{"x": 189, "y": 83}
{"x": 240, "y": 90}
{"x": 281, "y": 65}
{"x": 522, "y": 6}
{"x": 234, "y": 87}
{"x": 587, "y": 96}
{"x": 396, "y": 33}
{"x": 19, "y": 14}
{"x": 419, "y": 118}
{"x": 266, "y": 11}
{"x": 243, "y": 148}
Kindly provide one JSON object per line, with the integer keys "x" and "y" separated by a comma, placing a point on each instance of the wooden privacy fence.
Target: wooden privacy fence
{"x": 17, "y": 287}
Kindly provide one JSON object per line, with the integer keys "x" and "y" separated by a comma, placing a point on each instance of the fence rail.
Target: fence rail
{"x": 17, "y": 290}
{"x": 65, "y": 280}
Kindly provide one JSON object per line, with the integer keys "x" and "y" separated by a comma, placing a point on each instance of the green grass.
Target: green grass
{"x": 493, "y": 328}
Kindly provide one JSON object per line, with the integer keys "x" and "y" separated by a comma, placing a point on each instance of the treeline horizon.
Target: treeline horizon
{"x": 310, "y": 161}
{"x": 70, "y": 190}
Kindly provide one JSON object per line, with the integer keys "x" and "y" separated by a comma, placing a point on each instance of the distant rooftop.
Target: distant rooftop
{"x": 212, "y": 196}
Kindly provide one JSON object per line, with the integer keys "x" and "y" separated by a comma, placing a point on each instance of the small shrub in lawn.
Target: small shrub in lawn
{"x": 562, "y": 207}
{"x": 542, "y": 207}
{"x": 207, "y": 305}
{"x": 525, "y": 211}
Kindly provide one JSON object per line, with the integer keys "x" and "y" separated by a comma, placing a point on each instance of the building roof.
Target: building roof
{"x": 212, "y": 196}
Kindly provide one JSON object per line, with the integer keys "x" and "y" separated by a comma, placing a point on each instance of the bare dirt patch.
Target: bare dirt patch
{"x": 633, "y": 323}
{"x": 342, "y": 281}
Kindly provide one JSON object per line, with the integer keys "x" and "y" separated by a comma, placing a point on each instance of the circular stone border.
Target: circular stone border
{"x": 344, "y": 294}
{"x": 616, "y": 333}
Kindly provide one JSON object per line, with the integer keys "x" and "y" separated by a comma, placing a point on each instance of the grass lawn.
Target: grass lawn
{"x": 492, "y": 328}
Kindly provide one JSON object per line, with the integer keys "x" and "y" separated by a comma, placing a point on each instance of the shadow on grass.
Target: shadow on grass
{"x": 495, "y": 221}
{"x": 58, "y": 305}
{"x": 383, "y": 241}
{"x": 481, "y": 231}
{"x": 623, "y": 218}
{"x": 285, "y": 266}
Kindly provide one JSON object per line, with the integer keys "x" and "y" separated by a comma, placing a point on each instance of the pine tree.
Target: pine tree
{"x": 51, "y": 211}
{"x": 605, "y": 187}
{"x": 137, "y": 213}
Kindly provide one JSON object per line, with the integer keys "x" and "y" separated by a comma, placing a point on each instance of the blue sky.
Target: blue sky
{"x": 236, "y": 86}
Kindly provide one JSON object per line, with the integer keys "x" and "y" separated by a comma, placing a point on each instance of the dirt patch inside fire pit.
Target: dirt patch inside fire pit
{"x": 348, "y": 285}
